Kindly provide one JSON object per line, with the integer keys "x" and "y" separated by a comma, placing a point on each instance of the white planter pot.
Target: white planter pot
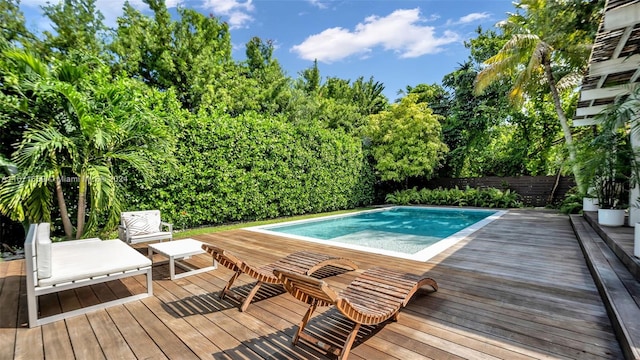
{"x": 636, "y": 241}
{"x": 611, "y": 217}
{"x": 590, "y": 204}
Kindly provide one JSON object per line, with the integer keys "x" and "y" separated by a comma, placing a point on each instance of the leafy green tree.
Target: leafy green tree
{"x": 310, "y": 79}
{"x": 405, "y": 140}
{"x": 12, "y": 28}
{"x": 77, "y": 27}
{"x": 192, "y": 54}
{"x": 470, "y": 122}
{"x": 545, "y": 47}
{"x": 266, "y": 78}
{"x": 368, "y": 96}
{"x": 13, "y": 32}
{"x": 434, "y": 95}
{"x": 84, "y": 125}
{"x": 337, "y": 103}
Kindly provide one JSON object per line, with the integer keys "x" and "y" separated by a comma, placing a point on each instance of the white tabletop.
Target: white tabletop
{"x": 178, "y": 248}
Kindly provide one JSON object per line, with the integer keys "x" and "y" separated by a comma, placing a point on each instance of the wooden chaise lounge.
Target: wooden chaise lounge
{"x": 375, "y": 296}
{"x": 303, "y": 262}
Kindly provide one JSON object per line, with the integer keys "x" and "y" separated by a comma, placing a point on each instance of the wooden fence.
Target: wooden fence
{"x": 534, "y": 190}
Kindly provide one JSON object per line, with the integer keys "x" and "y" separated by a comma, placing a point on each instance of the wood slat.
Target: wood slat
{"x": 516, "y": 289}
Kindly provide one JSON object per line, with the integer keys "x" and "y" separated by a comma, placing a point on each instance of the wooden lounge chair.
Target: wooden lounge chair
{"x": 303, "y": 262}
{"x": 374, "y": 297}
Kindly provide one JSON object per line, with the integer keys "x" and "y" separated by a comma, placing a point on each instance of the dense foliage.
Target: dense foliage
{"x": 255, "y": 167}
{"x": 156, "y": 113}
{"x": 406, "y": 140}
{"x": 488, "y": 197}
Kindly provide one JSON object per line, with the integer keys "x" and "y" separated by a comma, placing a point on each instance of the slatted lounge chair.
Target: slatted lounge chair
{"x": 377, "y": 295}
{"x": 303, "y": 262}
{"x": 55, "y": 267}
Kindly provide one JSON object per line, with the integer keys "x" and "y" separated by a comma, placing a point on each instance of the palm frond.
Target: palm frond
{"x": 569, "y": 82}
{"x": 41, "y": 144}
{"x": 514, "y": 53}
{"x": 27, "y": 196}
{"x": 28, "y": 62}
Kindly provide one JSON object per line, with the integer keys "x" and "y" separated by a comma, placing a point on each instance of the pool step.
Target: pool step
{"x": 620, "y": 291}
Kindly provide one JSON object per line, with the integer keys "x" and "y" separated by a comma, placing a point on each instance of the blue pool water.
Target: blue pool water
{"x": 405, "y": 230}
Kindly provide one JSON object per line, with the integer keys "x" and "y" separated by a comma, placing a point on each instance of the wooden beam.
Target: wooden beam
{"x": 623, "y": 16}
{"x": 590, "y": 111}
{"x": 602, "y": 93}
{"x": 614, "y": 66}
{"x": 585, "y": 122}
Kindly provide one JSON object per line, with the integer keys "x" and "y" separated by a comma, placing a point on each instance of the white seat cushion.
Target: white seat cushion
{"x": 43, "y": 250}
{"x": 151, "y": 236}
{"x": 84, "y": 260}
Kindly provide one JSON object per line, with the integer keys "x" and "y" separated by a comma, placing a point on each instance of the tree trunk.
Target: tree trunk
{"x": 82, "y": 203}
{"x": 568, "y": 138}
{"x": 64, "y": 213}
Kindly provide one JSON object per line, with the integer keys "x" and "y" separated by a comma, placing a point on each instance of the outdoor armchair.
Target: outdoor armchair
{"x": 143, "y": 226}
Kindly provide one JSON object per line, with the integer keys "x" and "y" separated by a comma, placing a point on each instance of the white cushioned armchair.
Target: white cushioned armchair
{"x": 142, "y": 226}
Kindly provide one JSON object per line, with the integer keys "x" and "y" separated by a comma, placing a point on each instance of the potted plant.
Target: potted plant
{"x": 588, "y": 159}
{"x": 612, "y": 202}
{"x": 611, "y": 164}
{"x": 590, "y": 202}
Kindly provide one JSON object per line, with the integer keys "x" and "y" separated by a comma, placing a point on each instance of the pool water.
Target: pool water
{"x": 406, "y": 232}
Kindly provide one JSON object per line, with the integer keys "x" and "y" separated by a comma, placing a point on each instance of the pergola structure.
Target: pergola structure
{"x": 615, "y": 60}
{"x": 614, "y": 69}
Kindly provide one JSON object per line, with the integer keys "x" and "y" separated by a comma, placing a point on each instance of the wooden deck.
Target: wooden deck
{"x": 517, "y": 289}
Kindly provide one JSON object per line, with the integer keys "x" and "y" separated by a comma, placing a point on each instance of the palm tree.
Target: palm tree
{"x": 543, "y": 44}
{"x": 97, "y": 126}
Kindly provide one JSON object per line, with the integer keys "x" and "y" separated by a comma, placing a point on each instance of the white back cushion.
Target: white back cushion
{"x": 138, "y": 225}
{"x": 43, "y": 250}
{"x": 153, "y": 218}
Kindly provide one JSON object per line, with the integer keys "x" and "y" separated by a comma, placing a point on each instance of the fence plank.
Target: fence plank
{"x": 534, "y": 190}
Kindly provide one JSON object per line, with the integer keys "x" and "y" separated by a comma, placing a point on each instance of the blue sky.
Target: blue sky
{"x": 398, "y": 42}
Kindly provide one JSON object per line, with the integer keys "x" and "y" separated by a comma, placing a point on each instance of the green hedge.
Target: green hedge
{"x": 255, "y": 167}
{"x": 489, "y": 197}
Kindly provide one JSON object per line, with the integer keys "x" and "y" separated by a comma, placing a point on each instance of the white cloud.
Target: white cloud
{"x": 237, "y": 12}
{"x": 173, "y": 3}
{"x": 318, "y": 3}
{"x": 473, "y": 17}
{"x": 402, "y": 32}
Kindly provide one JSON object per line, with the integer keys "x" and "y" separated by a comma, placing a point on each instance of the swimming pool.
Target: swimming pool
{"x": 416, "y": 233}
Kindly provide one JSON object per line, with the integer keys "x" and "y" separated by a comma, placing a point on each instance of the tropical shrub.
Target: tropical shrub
{"x": 488, "y": 197}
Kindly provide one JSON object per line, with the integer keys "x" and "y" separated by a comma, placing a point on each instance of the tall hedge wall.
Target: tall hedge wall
{"x": 255, "y": 167}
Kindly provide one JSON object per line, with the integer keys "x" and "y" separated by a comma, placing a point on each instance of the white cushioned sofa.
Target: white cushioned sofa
{"x": 54, "y": 267}
{"x": 143, "y": 226}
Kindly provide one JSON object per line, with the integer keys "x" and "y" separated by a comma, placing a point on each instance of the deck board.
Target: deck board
{"x": 517, "y": 289}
